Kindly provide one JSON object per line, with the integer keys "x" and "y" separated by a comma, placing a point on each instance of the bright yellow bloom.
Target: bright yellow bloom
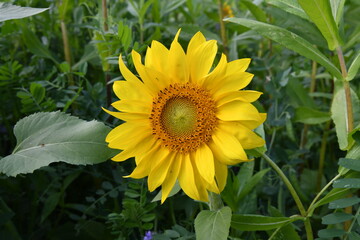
{"x": 182, "y": 121}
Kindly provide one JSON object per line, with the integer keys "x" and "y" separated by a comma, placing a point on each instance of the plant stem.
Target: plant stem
{"x": 349, "y": 110}
{"x": 310, "y": 209}
{"x": 105, "y": 15}
{"x": 215, "y": 202}
{"x": 293, "y": 193}
{"x": 67, "y": 52}
{"x": 107, "y": 76}
{"x": 222, "y": 28}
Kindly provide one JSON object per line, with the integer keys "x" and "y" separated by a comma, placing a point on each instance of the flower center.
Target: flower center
{"x": 183, "y": 117}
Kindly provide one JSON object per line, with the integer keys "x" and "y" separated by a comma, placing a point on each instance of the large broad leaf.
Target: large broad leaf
{"x": 44, "y": 138}
{"x": 9, "y": 11}
{"x": 289, "y": 40}
{"x": 339, "y": 116}
{"x": 319, "y": 11}
{"x": 213, "y": 225}
{"x": 249, "y": 222}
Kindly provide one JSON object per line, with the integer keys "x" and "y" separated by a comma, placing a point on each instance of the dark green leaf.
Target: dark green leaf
{"x": 44, "y": 138}
{"x": 213, "y": 225}
{"x": 258, "y": 13}
{"x": 289, "y": 40}
{"x": 49, "y": 205}
{"x": 337, "y": 217}
{"x": 350, "y": 163}
{"x": 331, "y": 233}
{"x": 9, "y": 11}
{"x": 248, "y": 222}
{"x": 311, "y": 116}
{"x": 347, "y": 183}
{"x": 252, "y": 182}
{"x": 345, "y": 202}
{"x": 319, "y": 11}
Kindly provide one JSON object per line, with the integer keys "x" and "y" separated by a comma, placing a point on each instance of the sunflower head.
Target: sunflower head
{"x": 185, "y": 119}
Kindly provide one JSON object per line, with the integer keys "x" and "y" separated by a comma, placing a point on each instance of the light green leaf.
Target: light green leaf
{"x": 9, "y": 11}
{"x": 213, "y": 225}
{"x": 258, "y": 13}
{"x": 311, "y": 116}
{"x": 249, "y": 222}
{"x": 338, "y": 114}
{"x": 289, "y": 40}
{"x": 44, "y": 138}
{"x": 173, "y": 191}
{"x": 290, "y": 6}
{"x": 354, "y": 68}
{"x": 337, "y": 217}
{"x": 334, "y": 194}
{"x": 347, "y": 183}
{"x": 337, "y": 7}
{"x": 320, "y": 13}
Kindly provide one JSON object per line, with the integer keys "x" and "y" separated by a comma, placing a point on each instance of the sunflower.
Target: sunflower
{"x": 182, "y": 120}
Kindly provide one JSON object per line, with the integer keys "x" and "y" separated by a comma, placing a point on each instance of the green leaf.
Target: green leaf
{"x": 9, "y": 11}
{"x": 173, "y": 191}
{"x": 345, "y": 202}
{"x": 44, "y": 138}
{"x": 320, "y": 13}
{"x": 258, "y": 13}
{"x": 49, "y": 205}
{"x": 213, "y": 225}
{"x": 290, "y": 6}
{"x": 333, "y": 195}
{"x": 37, "y": 91}
{"x": 299, "y": 95}
{"x": 337, "y": 7}
{"x": 249, "y": 222}
{"x": 337, "y": 217}
{"x": 350, "y": 163}
{"x": 35, "y": 46}
{"x": 252, "y": 182}
{"x": 311, "y": 116}
{"x": 286, "y": 232}
{"x": 289, "y": 40}
{"x": 347, "y": 183}
{"x": 354, "y": 68}
{"x": 331, "y": 233}
{"x": 338, "y": 114}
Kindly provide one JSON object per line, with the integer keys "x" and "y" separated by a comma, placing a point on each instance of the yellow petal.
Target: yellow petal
{"x": 128, "y": 116}
{"x": 124, "y": 155}
{"x": 159, "y": 171}
{"x": 133, "y": 106}
{"x": 229, "y": 145}
{"x": 220, "y": 156}
{"x": 204, "y": 162}
{"x": 171, "y": 177}
{"x": 125, "y": 90}
{"x": 244, "y": 96}
{"x": 215, "y": 78}
{"x": 239, "y": 65}
{"x": 201, "y": 60}
{"x": 237, "y": 110}
{"x": 187, "y": 178}
{"x": 178, "y": 66}
{"x": 233, "y": 82}
{"x": 156, "y": 57}
{"x": 152, "y": 84}
{"x": 195, "y": 42}
{"x": 252, "y": 124}
{"x": 248, "y": 138}
{"x": 221, "y": 172}
{"x": 129, "y": 76}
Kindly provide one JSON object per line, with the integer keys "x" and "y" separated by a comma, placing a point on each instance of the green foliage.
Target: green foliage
{"x": 44, "y": 138}
{"x": 9, "y": 11}
{"x": 211, "y": 225}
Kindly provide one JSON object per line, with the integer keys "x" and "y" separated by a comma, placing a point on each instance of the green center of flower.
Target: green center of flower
{"x": 183, "y": 117}
{"x": 179, "y": 117}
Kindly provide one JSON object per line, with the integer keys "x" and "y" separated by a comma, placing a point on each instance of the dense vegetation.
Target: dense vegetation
{"x": 66, "y": 59}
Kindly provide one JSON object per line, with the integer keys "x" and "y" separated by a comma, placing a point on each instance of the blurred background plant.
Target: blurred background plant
{"x": 65, "y": 59}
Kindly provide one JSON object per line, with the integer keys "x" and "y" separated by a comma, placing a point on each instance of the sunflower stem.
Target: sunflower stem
{"x": 215, "y": 202}
{"x": 293, "y": 193}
